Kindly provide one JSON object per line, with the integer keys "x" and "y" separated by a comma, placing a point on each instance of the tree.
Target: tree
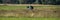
{"x": 21, "y": 1}
{"x": 40, "y": 1}
{"x": 58, "y": 3}
{"x": 29, "y": 1}
{"x": 1, "y": 1}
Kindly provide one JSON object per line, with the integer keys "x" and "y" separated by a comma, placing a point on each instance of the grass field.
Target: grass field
{"x": 23, "y": 18}
{"x": 26, "y": 18}
{"x": 24, "y": 7}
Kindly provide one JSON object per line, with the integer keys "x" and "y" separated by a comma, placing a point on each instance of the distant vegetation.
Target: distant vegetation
{"x": 54, "y": 2}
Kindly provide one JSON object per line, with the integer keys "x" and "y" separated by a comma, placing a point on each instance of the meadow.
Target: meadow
{"x": 18, "y": 9}
{"x": 24, "y": 18}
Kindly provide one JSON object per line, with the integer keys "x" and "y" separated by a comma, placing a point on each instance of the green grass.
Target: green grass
{"x": 22, "y": 7}
{"x": 29, "y": 18}
{"x": 11, "y": 7}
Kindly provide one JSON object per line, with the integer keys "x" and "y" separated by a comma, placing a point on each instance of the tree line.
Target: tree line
{"x": 30, "y": 1}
